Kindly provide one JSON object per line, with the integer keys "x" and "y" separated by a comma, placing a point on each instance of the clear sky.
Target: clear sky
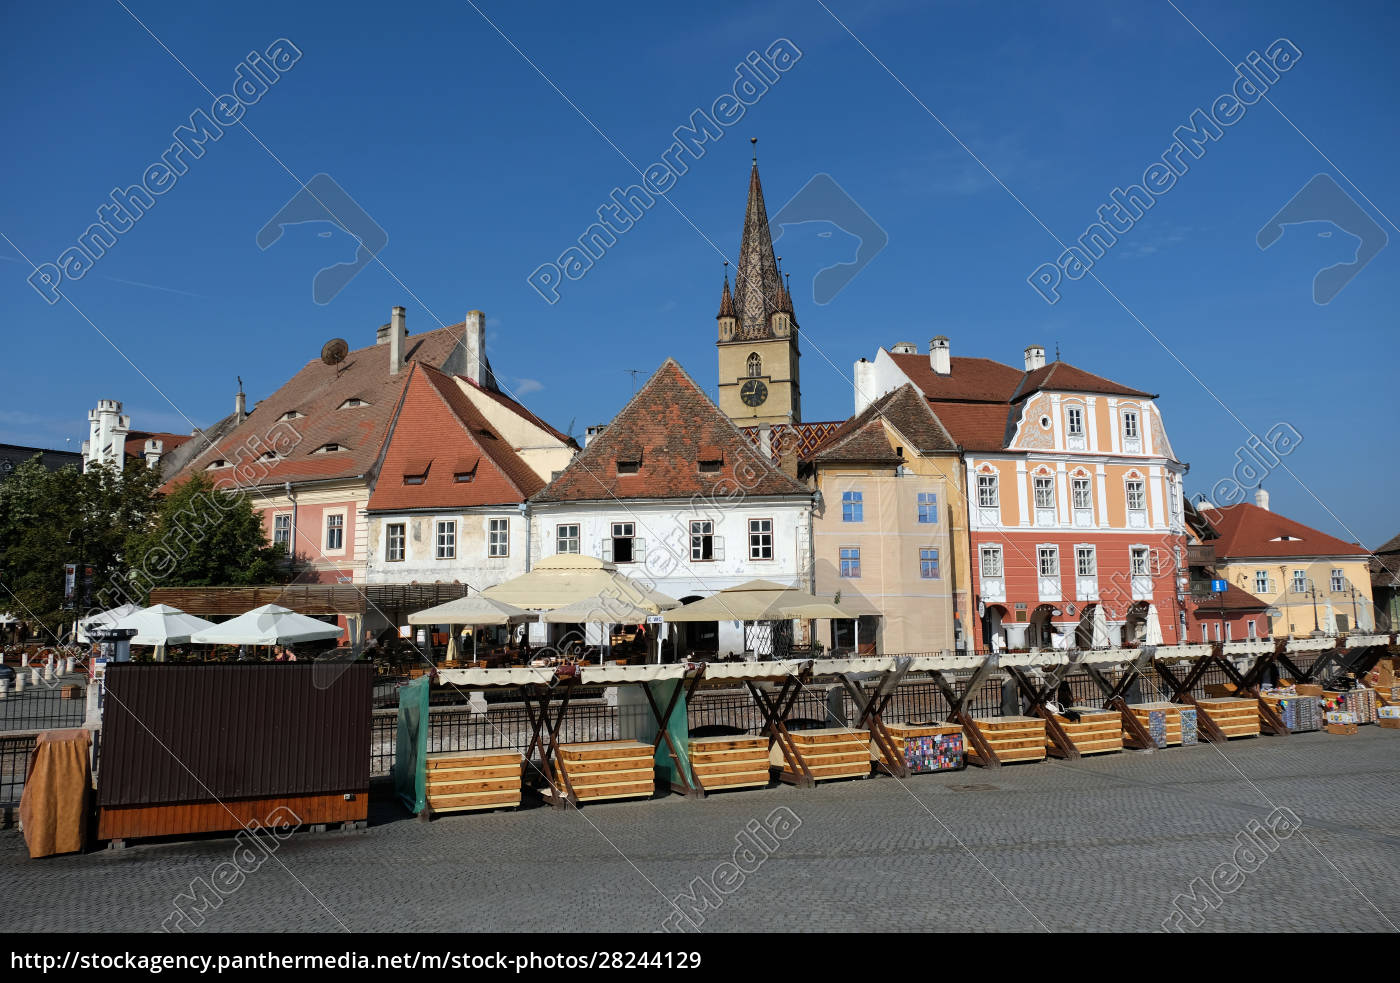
{"x": 479, "y": 170}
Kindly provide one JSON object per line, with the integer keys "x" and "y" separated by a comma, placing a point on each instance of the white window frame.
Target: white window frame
{"x": 445, "y": 547}
{"x": 1074, "y": 421}
{"x": 1132, "y": 428}
{"x": 1300, "y": 581}
{"x": 389, "y": 540}
{"x": 1046, "y": 552}
{"x": 1339, "y": 580}
{"x": 995, "y": 554}
{"x": 852, "y": 506}
{"x": 1261, "y": 581}
{"x": 1143, "y": 554}
{"x": 497, "y": 537}
{"x": 936, "y": 560}
{"x": 1044, "y": 489}
{"x": 326, "y": 528}
{"x": 1080, "y": 554}
{"x": 700, "y": 531}
{"x": 842, "y": 560}
{"x": 286, "y": 540}
{"x": 988, "y": 491}
{"x": 561, "y": 538}
{"x": 1128, "y": 486}
{"x": 628, "y": 531}
{"x": 761, "y": 539}
{"x": 927, "y": 503}
{"x": 1078, "y": 483}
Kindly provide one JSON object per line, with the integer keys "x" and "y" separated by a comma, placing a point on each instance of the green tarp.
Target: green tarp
{"x": 411, "y": 753}
{"x": 678, "y": 727}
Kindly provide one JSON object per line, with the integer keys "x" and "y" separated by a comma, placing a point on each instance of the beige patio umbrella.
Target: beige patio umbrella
{"x": 473, "y": 610}
{"x": 565, "y": 578}
{"x": 760, "y": 600}
{"x": 604, "y": 609}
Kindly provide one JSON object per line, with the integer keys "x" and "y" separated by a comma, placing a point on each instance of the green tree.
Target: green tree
{"x": 203, "y": 536}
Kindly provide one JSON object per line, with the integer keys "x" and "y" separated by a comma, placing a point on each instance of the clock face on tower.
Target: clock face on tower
{"x": 753, "y": 392}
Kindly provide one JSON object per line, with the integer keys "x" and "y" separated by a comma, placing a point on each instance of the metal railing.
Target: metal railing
{"x": 46, "y": 705}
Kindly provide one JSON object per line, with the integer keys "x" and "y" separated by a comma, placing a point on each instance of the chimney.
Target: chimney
{"x": 154, "y": 449}
{"x": 940, "y": 356}
{"x": 382, "y": 334}
{"x": 787, "y": 462}
{"x": 765, "y": 439}
{"x": 398, "y": 332}
{"x": 240, "y": 404}
{"x": 474, "y": 337}
{"x": 864, "y": 377}
{"x": 1035, "y": 357}
{"x": 1261, "y": 498}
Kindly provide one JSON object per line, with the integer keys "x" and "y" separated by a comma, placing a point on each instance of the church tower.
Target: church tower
{"x": 758, "y": 377}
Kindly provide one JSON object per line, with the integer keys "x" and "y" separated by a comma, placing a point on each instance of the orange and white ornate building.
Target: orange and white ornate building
{"x": 1074, "y": 496}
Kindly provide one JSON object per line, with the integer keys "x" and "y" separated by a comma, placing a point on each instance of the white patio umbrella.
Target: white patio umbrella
{"x": 161, "y": 625}
{"x": 1329, "y": 620}
{"x": 1152, "y": 635}
{"x": 105, "y": 619}
{"x": 476, "y": 609}
{"x": 267, "y": 625}
{"x": 1099, "y": 626}
{"x": 1363, "y": 617}
{"x": 605, "y": 609}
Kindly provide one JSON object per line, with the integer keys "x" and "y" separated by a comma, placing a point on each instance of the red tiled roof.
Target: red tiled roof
{"x": 668, "y": 421}
{"x": 1235, "y": 599}
{"x": 1063, "y": 377}
{"x": 980, "y": 380}
{"x": 317, "y": 392}
{"x": 439, "y": 433}
{"x": 975, "y": 426}
{"x": 136, "y": 441}
{"x": 1247, "y": 530}
{"x": 864, "y": 438}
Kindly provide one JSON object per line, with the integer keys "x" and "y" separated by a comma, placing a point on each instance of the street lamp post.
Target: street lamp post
{"x": 1312, "y": 589}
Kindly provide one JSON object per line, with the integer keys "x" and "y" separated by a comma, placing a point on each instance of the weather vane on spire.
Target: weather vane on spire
{"x": 754, "y": 141}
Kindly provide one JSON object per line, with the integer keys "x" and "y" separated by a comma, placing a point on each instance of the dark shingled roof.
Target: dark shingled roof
{"x": 863, "y": 437}
{"x": 665, "y": 425}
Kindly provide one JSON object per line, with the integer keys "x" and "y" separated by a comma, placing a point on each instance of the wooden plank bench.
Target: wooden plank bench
{"x": 459, "y": 781}
{"x": 730, "y": 762}
{"x": 1011, "y": 739}
{"x": 1235, "y": 717}
{"x": 828, "y": 753}
{"x": 1171, "y": 720}
{"x": 601, "y": 770}
{"x": 1096, "y": 732}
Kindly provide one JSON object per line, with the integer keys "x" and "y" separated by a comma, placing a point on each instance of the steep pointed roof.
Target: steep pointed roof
{"x": 665, "y": 431}
{"x": 863, "y": 437}
{"x": 440, "y": 435}
{"x": 726, "y": 299}
{"x": 756, "y": 281}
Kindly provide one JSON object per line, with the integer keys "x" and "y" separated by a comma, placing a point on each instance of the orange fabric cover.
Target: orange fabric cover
{"x": 54, "y": 806}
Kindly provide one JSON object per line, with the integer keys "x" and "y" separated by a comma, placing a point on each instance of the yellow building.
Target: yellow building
{"x": 1313, "y": 582}
{"x": 889, "y": 529}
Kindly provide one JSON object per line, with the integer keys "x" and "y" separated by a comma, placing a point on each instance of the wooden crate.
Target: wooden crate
{"x": 730, "y": 762}
{"x": 1341, "y": 728}
{"x": 607, "y": 769}
{"x": 1389, "y": 723}
{"x": 459, "y": 781}
{"x": 920, "y": 746}
{"x": 1096, "y": 731}
{"x": 1012, "y": 739}
{"x": 829, "y": 753}
{"x": 1171, "y": 717}
{"x": 1235, "y": 717}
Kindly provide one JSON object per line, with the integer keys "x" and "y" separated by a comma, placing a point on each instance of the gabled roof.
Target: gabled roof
{"x": 316, "y": 392}
{"x": 1234, "y": 599}
{"x": 1249, "y": 531}
{"x": 439, "y": 435}
{"x": 863, "y": 437}
{"x": 518, "y": 409}
{"x": 136, "y": 441}
{"x": 1063, "y": 377}
{"x": 1391, "y": 545}
{"x": 980, "y": 380}
{"x": 975, "y": 426}
{"x": 663, "y": 428}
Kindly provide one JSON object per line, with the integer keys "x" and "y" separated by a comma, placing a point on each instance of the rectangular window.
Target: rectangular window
{"x": 1253, "y": 633}
{"x": 1227, "y": 631}
{"x": 282, "y": 530}
{"x": 1076, "y": 421}
{"x": 1300, "y": 582}
{"x": 928, "y": 564}
{"x": 1086, "y": 563}
{"x": 760, "y": 539}
{"x": 1261, "y": 581}
{"x": 1140, "y": 562}
{"x": 928, "y": 507}
{"x": 852, "y": 509}
{"x": 987, "y": 496}
{"x": 623, "y": 536}
{"x": 1049, "y": 558}
{"x": 393, "y": 542}
{"x": 850, "y": 562}
{"x": 335, "y": 532}
{"x": 446, "y": 547}
{"x": 1045, "y": 493}
{"x": 498, "y": 537}
{"x": 1130, "y": 425}
{"x": 566, "y": 538}
{"x": 702, "y": 540}
{"x": 991, "y": 561}
{"x": 1083, "y": 497}
{"x": 1339, "y": 580}
{"x": 1137, "y": 495}
{"x": 626, "y": 466}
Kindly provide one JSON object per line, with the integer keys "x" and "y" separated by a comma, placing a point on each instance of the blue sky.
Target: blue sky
{"x": 479, "y": 171}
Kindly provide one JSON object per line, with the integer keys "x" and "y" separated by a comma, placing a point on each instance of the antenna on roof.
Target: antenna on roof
{"x": 1057, "y": 351}
{"x": 634, "y": 373}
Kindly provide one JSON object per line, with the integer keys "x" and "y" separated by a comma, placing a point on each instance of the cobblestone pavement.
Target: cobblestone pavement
{"x": 1104, "y": 844}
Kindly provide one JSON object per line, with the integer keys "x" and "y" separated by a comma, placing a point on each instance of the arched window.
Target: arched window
{"x": 755, "y": 365}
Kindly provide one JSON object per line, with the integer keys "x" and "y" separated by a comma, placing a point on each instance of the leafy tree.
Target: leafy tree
{"x": 204, "y": 536}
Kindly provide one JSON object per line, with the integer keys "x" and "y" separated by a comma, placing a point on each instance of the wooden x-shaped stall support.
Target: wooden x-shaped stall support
{"x": 1040, "y": 690}
{"x": 1181, "y": 683}
{"x": 870, "y": 708}
{"x": 1356, "y": 654}
{"x": 684, "y": 779}
{"x": 775, "y": 709}
{"x": 545, "y": 706}
{"x": 1136, "y": 736}
{"x": 958, "y": 712}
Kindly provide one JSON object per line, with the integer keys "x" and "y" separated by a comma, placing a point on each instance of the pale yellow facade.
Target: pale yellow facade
{"x": 914, "y": 612}
{"x": 1343, "y": 582}
{"x": 775, "y": 361}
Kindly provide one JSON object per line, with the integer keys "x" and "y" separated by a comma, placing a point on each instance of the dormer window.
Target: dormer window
{"x": 330, "y": 448}
{"x": 465, "y": 470}
{"x": 416, "y": 472}
{"x": 629, "y": 460}
{"x": 268, "y": 456}
{"x": 215, "y": 465}
{"x": 353, "y": 402}
{"x": 711, "y": 460}
{"x": 291, "y": 415}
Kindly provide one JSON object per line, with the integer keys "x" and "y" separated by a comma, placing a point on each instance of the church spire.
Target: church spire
{"x": 726, "y": 299}
{"x": 757, "y": 285}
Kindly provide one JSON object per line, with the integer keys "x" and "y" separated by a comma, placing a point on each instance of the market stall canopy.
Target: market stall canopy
{"x": 759, "y": 600}
{"x": 160, "y": 624}
{"x": 476, "y": 609}
{"x": 506, "y": 678}
{"x": 267, "y": 625}
{"x": 564, "y": 578}
{"x": 603, "y": 609}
